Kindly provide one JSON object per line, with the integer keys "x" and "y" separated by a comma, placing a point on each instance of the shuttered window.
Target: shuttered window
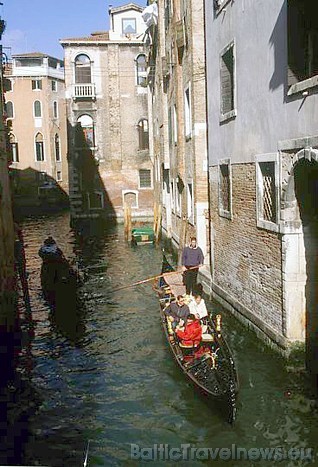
{"x": 227, "y": 81}
{"x": 302, "y": 23}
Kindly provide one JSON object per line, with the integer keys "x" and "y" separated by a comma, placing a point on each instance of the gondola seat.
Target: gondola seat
{"x": 188, "y": 349}
{"x": 188, "y": 346}
{"x": 207, "y": 338}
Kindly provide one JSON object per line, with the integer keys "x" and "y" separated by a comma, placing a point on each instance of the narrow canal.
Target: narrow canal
{"x": 107, "y": 381}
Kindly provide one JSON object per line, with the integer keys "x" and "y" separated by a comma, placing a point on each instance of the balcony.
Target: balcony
{"x": 84, "y": 91}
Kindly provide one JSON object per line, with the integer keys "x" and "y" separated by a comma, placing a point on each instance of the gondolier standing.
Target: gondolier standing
{"x": 192, "y": 260}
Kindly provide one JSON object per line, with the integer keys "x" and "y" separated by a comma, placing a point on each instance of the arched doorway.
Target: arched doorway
{"x": 306, "y": 192}
{"x": 299, "y": 217}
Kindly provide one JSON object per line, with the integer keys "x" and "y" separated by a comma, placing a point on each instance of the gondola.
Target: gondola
{"x": 59, "y": 280}
{"x": 210, "y": 366}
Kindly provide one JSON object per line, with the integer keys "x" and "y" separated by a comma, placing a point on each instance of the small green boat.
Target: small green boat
{"x": 142, "y": 235}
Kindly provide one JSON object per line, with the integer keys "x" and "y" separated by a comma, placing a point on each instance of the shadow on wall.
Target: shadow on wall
{"x": 278, "y": 40}
{"x": 86, "y": 185}
{"x": 34, "y": 191}
{"x": 306, "y": 190}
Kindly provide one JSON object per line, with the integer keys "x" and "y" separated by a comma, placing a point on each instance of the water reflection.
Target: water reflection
{"x": 115, "y": 383}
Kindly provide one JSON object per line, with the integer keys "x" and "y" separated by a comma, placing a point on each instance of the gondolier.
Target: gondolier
{"x": 192, "y": 260}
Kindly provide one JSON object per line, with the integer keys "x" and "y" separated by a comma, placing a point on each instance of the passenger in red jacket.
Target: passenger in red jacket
{"x": 192, "y": 333}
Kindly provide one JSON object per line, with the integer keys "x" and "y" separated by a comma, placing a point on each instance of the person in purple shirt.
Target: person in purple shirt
{"x": 192, "y": 259}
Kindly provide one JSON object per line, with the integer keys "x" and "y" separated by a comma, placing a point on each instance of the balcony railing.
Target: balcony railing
{"x": 84, "y": 91}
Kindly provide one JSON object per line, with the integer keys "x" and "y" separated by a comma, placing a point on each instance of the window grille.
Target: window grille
{"x": 145, "y": 178}
{"x": 225, "y": 187}
{"x": 269, "y": 192}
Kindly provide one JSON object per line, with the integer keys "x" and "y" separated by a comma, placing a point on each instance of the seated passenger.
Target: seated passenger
{"x": 197, "y": 306}
{"x": 192, "y": 332}
{"x": 177, "y": 311}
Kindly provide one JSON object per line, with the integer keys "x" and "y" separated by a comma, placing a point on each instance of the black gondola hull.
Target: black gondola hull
{"x": 213, "y": 378}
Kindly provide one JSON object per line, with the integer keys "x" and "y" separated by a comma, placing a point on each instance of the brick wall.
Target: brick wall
{"x": 246, "y": 259}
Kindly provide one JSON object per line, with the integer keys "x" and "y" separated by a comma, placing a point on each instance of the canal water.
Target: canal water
{"x": 106, "y": 387}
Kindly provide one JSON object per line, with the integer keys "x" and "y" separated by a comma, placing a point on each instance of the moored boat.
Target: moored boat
{"x": 142, "y": 236}
{"x": 209, "y": 366}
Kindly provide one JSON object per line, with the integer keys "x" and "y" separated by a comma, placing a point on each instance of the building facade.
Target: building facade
{"x": 36, "y": 120}
{"x": 176, "y": 76}
{"x": 263, "y": 172}
{"x": 107, "y": 108}
{"x": 8, "y": 296}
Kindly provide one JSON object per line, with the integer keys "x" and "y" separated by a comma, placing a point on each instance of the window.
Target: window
{"x": 14, "y": 148}
{"x": 7, "y": 85}
{"x": 168, "y": 12}
{"x": 87, "y": 125}
{"x": 57, "y": 148}
{"x": 187, "y": 113}
{"x": 143, "y": 134}
{"x": 268, "y": 178}
{"x": 172, "y": 195}
{"x": 55, "y": 109}
{"x": 83, "y": 69}
{"x": 225, "y": 188}
{"x": 39, "y": 147}
{"x": 141, "y": 70}
{"x": 227, "y": 79}
{"x": 9, "y": 109}
{"x": 219, "y": 4}
{"x": 175, "y": 125}
{"x": 37, "y": 109}
{"x": 95, "y": 200}
{"x": 302, "y": 40}
{"x": 190, "y": 202}
{"x": 36, "y": 84}
{"x": 179, "y": 190}
{"x": 129, "y": 25}
{"x": 54, "y": 85}
{"x": 145, "y": 178}
{"x": 170, "y": 127}
{"x": 58, "y": 175}
{"x": 267, "y": 191}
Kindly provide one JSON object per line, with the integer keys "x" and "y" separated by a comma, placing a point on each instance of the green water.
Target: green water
{"x": 108, "y": 382}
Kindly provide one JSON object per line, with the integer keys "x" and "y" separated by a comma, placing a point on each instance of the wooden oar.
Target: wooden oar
{"x": 152, "y": 278}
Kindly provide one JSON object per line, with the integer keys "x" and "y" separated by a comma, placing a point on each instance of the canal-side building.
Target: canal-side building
{"x": 8, "y": 317}
{"x": 107, "y": 109}
{"x": 36, "y": 118}
{"x": 263, "y": 163}
{"x": 176, "y": 78}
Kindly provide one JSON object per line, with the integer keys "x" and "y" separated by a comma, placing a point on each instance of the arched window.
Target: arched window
{"x": 39, "y": 147}
{"x": 83, "y": 69}
{"x": 9, "y": 109}
{"x": 55, "y": 109}
{"x": 141, "y": 70}
{"x": 87, "y": 125}
{"x": 57, "y": 148}
{"x": 143, "y": 134}
{"x": 37, "y": 109}
{"x": 14, "y": 148}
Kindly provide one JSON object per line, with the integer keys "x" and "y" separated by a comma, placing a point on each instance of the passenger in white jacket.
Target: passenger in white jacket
{"x": 197, "y": 307}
